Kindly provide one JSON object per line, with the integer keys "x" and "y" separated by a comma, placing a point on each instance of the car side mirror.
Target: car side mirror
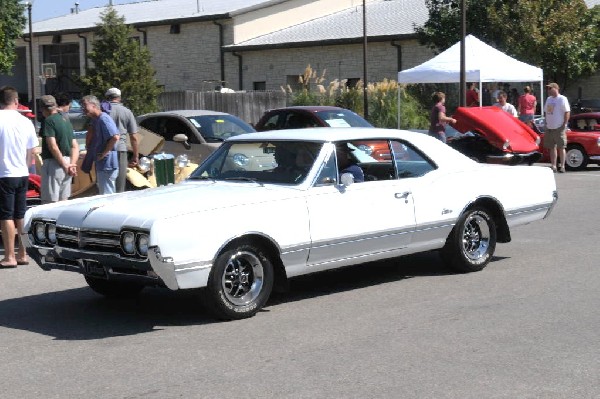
{"x": 183, "y": 139}
{"x": 346, "y": 179}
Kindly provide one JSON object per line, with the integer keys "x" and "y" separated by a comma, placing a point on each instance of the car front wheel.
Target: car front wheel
{"x": 472, "y": 242}
{"x": 576, "y": 158}
{"x": 239, "y": 283}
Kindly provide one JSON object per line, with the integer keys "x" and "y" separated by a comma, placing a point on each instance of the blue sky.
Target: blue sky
{"x": 45, "y": 9}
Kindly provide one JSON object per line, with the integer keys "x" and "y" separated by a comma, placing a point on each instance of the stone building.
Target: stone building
{"x": 240, "y": 44}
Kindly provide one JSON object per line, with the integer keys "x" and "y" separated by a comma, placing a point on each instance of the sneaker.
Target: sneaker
{"x": 561, "y": 170}
{"x": 553, "y": 169}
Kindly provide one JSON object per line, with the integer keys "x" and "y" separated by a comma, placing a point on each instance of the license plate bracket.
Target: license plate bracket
{"x": 94, "y": 268}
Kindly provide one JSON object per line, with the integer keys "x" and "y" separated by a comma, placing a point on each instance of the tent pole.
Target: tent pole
{"x": 542, "y": 97}
{"x": 480, "y": 92}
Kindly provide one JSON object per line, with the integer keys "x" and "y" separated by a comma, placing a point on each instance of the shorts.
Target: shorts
{"x": 13, "y": 197}
{"x": 56, "y": 183}
{"x": 555, "y": 138}
{"x": 526, "y": 117}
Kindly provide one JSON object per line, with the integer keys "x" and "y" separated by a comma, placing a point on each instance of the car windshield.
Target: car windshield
{"x": 282, "y": 162}
{"x": 342, "y": 118}
{"x": 219, "y": 127}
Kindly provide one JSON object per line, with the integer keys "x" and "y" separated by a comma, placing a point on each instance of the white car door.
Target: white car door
{"x": 361, "y": 220}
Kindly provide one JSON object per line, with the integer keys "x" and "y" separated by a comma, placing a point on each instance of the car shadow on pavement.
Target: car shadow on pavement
{"x": 364, "y": 275}
{"x": 80, "y": 314}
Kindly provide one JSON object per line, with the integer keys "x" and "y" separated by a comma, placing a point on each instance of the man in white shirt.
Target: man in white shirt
{"x": 558, "y": 112}
{"x": 17, "y": 143}
{"x": 506, "y": 106}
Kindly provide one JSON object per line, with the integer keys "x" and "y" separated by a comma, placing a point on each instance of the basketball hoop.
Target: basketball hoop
{"x": 43, "y": 79}
{"x": 48, "y": 71}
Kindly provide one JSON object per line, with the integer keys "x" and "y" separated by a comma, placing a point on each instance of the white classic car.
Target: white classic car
{"x": 269, "y": 206}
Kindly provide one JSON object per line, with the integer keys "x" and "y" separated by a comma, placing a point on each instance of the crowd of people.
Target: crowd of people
{"x": 523, "y": 106}
{"x": 109, "y": 123}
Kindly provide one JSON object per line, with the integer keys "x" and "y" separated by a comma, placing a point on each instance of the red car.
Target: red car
{"x": 494, "y": 136}
{"x": 299, "y": 117}
{"x": 583, "y": 141}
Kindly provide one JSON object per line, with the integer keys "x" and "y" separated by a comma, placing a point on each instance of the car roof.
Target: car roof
{"x": 441, "y": 153}
{"x": 587, "y": 115}
{"x": 331, "y": 134}
{"x": 311, "y": 108}
{"x": 186, "y": 113}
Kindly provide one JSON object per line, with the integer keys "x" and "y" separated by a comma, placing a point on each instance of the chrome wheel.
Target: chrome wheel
{"x": 576, "y": 158}
{"x": 472, "y": 242}
{"x": 243, "y": 278}
{"x": 476, "y": 237}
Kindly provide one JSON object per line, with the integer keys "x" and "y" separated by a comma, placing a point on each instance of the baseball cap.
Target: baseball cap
{"x": 113, "y": 92}
{"x": 553, "y": 85}
{"x": 48, "y": 101}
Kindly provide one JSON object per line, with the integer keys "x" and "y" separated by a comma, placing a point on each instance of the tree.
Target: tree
{"x": 12, "y": 24}
{"x": 119, "y": 60}
{"x": 560, "y": 36}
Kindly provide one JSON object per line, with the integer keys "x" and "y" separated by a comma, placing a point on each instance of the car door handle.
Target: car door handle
{"x": 403, "y": 195}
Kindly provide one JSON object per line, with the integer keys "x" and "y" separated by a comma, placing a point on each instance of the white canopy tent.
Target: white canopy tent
{"x": 483, "y": 64}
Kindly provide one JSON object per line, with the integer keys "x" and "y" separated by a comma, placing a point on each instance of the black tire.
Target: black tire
{"x": 114, "y": 289}
{"x": 472, "y": 242}
{"x": 577, "y": 158}
{"x": 239, "y": 284}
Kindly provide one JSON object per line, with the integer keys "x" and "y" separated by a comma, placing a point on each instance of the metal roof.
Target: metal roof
{"x": 385, "y": 18}
{"x": 152, "y": 12}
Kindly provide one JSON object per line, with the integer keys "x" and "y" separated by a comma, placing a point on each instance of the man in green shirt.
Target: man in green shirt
{"x": 60, "y": 152}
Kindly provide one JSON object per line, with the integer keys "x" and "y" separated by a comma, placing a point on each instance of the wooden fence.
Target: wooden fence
{"x": 248, "y": 106}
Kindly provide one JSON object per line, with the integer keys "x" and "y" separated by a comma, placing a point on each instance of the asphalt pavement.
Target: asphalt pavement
{"x": 525, "y": 327}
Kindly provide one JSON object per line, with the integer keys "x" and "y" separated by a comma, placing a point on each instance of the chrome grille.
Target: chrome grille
{"x": 70, "y": 237}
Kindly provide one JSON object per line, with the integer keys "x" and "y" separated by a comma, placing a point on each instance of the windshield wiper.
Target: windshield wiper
{"x": 213, "y": 138}
{"x": 242, "y": 178}
{"x": 201, "y": 178}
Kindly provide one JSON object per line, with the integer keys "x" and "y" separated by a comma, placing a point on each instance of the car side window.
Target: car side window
{"x": 272, "y": 122}
{"x": 408, "y": 161}
{"x": 169, "y": 127}
{"x": 328, "y": 174}
{"x": 296, "y": 120}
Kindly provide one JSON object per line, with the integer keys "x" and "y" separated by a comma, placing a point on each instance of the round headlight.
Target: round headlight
{"x": 182, "y": 160}
{"x": 366, "y": 149}
{"x": 144, "y": 164}
{"x": 142, "y": 244}
{"x": 240, "y": 159}
{"x": 51, "y": 233}
{"x": 39, "y": 231}
{"x": 128, "y": 242}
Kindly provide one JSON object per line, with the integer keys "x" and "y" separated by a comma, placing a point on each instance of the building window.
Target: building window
{"x": 66, "y": 58}
{"x": 260, "y": 85}
{"x": 175, "y": 29}
{"x": 352, "y": 82}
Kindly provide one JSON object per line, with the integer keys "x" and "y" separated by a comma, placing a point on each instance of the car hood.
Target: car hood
{"x": 498, "y": 127}
{"x": 140, "y": 208}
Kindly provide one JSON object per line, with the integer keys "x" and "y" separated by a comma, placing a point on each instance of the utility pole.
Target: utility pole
{"x": 365, "y": 91}
{"x": 31, "y": 70}
{"x": 463, "y": 33}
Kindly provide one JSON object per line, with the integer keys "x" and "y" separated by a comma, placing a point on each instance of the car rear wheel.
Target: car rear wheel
{"x": 239, "y": 283}
{"x": 114, "y": 289}
{"x": 576, "y": 158}
{"x": 472, "y": 242}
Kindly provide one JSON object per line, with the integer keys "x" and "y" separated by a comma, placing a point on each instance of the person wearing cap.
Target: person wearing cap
{"x": 17, "y": 143}
{"x": 60, "y": 152}
{"x": 103, "y": 145}
{"x": 347, "y": 164}
{"x": 527, "y": 104}
{"x": 126, "y": 124}
{"x": 557, "y": 111}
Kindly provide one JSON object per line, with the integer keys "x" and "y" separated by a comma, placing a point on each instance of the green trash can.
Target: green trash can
{"x": 164, "y": 169}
